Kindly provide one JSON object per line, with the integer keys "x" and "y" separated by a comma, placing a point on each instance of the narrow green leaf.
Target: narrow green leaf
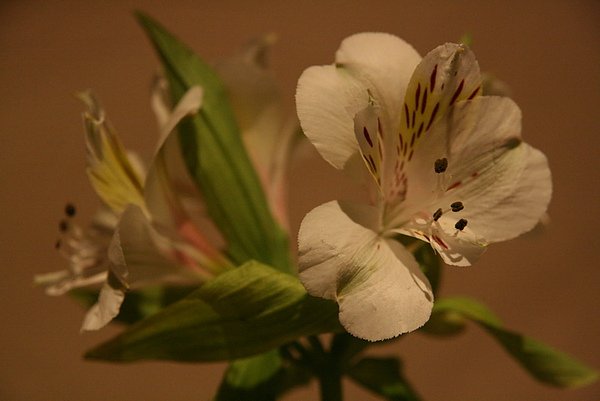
{"x": 243, "y": 312}
{"x": 383, "y": 376}
{"x": 541, "y": 361}
{"x": 216, "y": 157}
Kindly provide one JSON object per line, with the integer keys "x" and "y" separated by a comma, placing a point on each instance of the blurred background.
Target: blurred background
{"x": 544, "y": 285}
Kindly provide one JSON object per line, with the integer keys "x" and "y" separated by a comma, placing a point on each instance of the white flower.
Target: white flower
{"x": 446, "y": 166}
{"x": 154, "y": 228}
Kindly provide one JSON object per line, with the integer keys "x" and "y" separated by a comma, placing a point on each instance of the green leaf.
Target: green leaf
{"x": 383, "y": 376}
{"x": 216, "y": 157}
{"x": 257, "y": 378}
{"x": 243, "y": 312}
{"x": 541, "y": 361}
{"x": 253, "y": 378}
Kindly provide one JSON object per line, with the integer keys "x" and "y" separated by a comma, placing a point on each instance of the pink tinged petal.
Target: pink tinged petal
{"x": 140, "y": 255}
{"x": 256, "y": 102}
{"x": 377, "y": 283}
{"x": 105, "y": 310}
{"x": 175, "y": 206}
{"x": 456, "y": 247}
{"x": 327, "y": 99}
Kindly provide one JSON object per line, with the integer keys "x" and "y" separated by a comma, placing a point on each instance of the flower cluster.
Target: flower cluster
{"x": 436, "y": 144}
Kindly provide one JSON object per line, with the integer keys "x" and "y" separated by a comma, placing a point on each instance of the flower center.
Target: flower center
{"x": 84, "y": 249}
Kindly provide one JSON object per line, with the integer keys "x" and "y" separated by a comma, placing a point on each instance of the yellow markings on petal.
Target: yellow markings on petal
{"x": 368, "y": 133}
{"x": 448, "y": 74}
{"x": 112, "y": 175}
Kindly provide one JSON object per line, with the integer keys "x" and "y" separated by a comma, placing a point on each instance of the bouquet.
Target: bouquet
{"x": 192, "y": 252}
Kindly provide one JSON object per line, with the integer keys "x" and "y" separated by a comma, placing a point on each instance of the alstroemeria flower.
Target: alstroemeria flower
{"x": 445, "y": 164}
{"x": 154, "y": 228}
{"x": 148, "y": 236}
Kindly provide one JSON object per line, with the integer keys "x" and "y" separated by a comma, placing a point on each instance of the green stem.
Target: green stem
{"x": 330, "y": 383}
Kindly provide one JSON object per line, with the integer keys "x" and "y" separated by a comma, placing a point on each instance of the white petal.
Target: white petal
{"x": 139, "y": 255}
{"x": 327, "y": 99}
{"x": 503, "y": 184}
{"x": 368, "y": 65}
{"x": 190, "y": 103}
{"x": 522, "y": 205}
{"x": 176, "y": 207}
{"x": 384, "y": 64}
{"x": 378, "y": 284}
{"x": 256, "y": 102}
{"x": 457, "y": 248}
{"x": 105, "y": 310}
{"x": 478, "y": 138}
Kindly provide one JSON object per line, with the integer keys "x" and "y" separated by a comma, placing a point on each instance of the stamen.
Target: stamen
{"x": 440, "y": 165}
{"x": 437, "y": 215}
{"x": 70, "y": 210}
{"x": 457, "y": 206}
{"x": 461, "y": 224}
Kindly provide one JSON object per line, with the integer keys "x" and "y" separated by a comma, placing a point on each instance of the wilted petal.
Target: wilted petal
{"x": 377, "y": 283}
{"x": 110, "y": 171}
{"x": 105, "y": 310}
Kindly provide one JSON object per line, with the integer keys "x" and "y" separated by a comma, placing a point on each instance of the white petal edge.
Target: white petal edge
{"x": 384, "y": 64}
{"x": 377, "y": 283}
{"x": 520, "y": 209}
{"x": 105, "y": 310}
{"x": 327, "y": 99}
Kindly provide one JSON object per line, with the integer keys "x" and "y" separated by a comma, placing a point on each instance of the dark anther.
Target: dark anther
{"x": 457, "y": 206}
{"x": 70, "y": 210}
{"x": 461, "y": 224}
{"x": 440, "y": 165}
{"x": 63, "y": 226}
{"x": 437, "y": 215}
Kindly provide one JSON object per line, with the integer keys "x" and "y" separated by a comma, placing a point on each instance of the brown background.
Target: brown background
{"x": 546, "y": 286}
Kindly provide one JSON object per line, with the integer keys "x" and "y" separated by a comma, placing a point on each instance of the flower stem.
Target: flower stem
{"x": 328, "y": 369}
{"x": 330, "y": 383}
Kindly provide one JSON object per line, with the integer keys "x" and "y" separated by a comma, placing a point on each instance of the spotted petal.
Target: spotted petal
{"x": 376, "y": 282}
{"x": 503, "y": 184}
